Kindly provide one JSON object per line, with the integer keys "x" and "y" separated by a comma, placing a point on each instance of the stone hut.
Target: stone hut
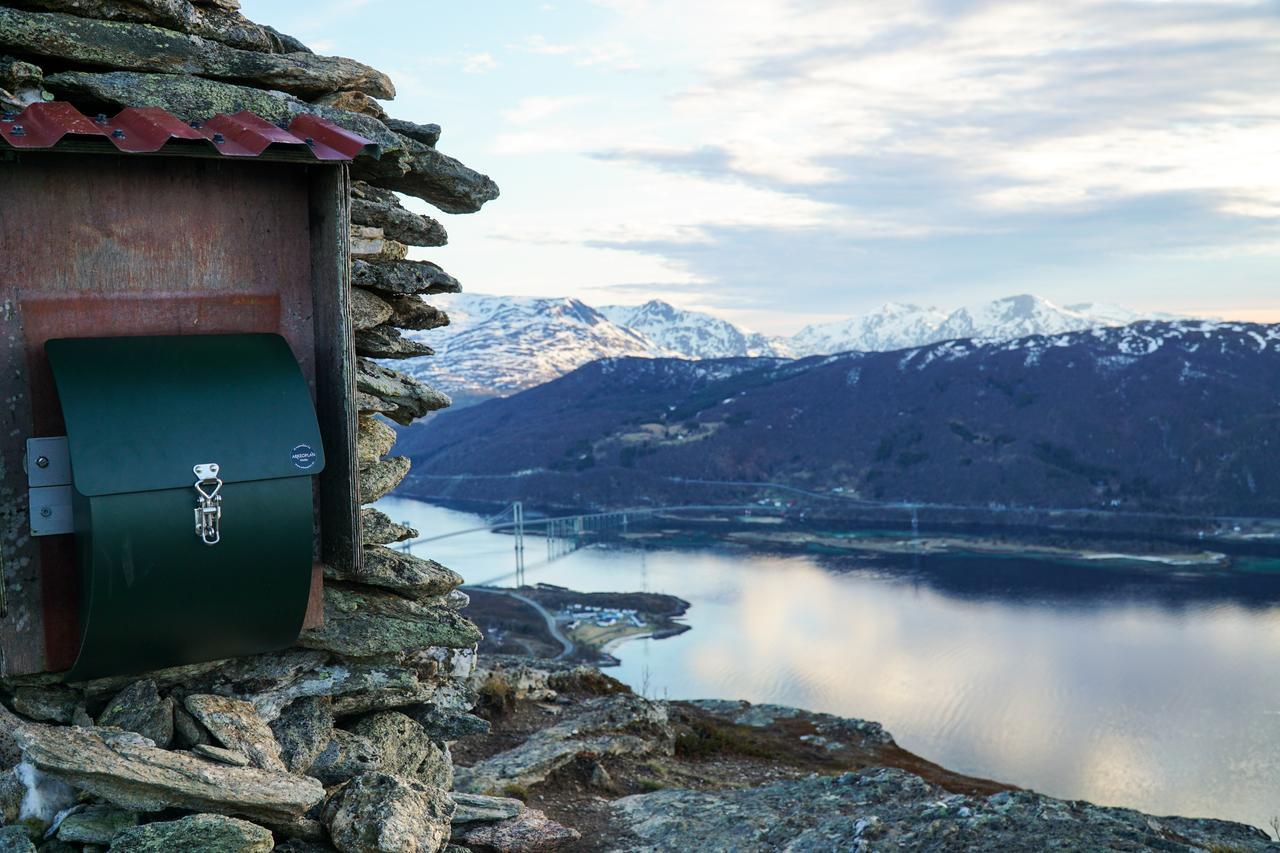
{"x": 341, "y": 741}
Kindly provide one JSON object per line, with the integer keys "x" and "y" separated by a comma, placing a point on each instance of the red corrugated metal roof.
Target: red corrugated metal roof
{"x": 143, "y": 130}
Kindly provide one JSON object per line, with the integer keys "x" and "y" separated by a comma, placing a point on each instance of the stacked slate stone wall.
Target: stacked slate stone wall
{"x": 343, "y": 741}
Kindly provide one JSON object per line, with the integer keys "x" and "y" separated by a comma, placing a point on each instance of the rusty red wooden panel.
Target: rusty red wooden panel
{"x": 145, "y": 130}
{"x": 126, "y": 246}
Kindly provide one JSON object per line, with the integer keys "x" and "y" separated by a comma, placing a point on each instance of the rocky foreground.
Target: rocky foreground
{"x": 564, "y": 757}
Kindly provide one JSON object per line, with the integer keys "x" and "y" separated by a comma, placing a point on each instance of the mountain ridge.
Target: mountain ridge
{"x": 498, "y": 345}
{"x": 1151, "y": 417}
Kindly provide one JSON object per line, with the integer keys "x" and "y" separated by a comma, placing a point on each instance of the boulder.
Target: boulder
{"x": 399, "y": 278}
{"x": 527, "y": 832}
{"x": 380, "y": 812}
{"x": 410, "y": 312}
{"x": 217, "y": 23}
{"x": 146, "y": 47}
{"x": 431, "y": 176}
{"x": 21, "y": 83}
{"x": 368, "y": 309}
{"x": 448, "y": 725}
{"x": 235, "y": 724}
{"x": 126, "y": 769}
{"x": 405, "y": 749}
{"x": 356, "y": 102}
{"x": 379, "y": 479}
{"x": 381, "y": 208}
{"x": 209, "y": 833}
{"x": 367, "y": 404}
{"x": 303, "y": 730}
{"x": 411, "y": 398}
{"x": 477, "y": 808}
{"x": 621, "y": 724}
{"x": 49, "y": 704}
{"x": 95, "y": 824}
{"x": 374, "y": 439}
{"x": 387, "y": 342}
{"x": 363, "y": 622}
{"x": 370, "y": 243}
{"x": 378, "y": 529}
{"x": 273, "y": 681}
{"x": 390, "y": 569}
{"x": 345, "y": 757}
{"x": 139, "y": 708}
{"x": 427, "y": 134}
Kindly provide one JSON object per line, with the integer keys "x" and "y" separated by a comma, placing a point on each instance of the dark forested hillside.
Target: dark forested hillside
{"x": 1181, "y": 417}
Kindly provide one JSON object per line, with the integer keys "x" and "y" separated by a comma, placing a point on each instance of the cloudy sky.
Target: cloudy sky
{"x": 785, "y": 162}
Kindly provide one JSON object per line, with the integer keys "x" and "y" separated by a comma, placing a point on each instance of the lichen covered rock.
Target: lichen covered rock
{"x": 139, "y": 708}
{"x": 378, "y": 529}
{"x": 397, "y": 570}
{"x": 362, "y": 622}
{"x": 126, "y": 769}
{"x": 379, "y": 479}
{"x": 235, "y": 724}
{"x": 208, "y": 833}
{"x": 382, "y": 813}
{"x": 405, "y": 748}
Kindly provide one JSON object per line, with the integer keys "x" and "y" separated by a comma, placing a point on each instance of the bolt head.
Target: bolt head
{"x": 45, "y": 512}
{"x": 42, "y": 462}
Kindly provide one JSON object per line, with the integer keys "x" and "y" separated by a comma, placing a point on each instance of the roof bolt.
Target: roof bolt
{"x": 19, "y": 130}
{"x": 219, "y": 138}
{"x": 118, "y": 133}
{"x": 310, "y": 141}
{"x": 45, "y": 512}
{"x": 42, "y": 462}
{"x": 9, "y": 115}
{"x": 101, "y": 118}
{"x": 196, "y": 125}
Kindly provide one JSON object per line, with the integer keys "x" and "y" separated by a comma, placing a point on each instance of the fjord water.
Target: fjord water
{"x": 1151, "y": 688}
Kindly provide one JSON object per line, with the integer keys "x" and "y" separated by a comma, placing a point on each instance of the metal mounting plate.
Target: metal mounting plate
{"x": 51, "y": 513}
{"x": 48, "y": 464}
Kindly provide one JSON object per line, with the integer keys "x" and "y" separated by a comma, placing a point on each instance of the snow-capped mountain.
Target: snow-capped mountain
{"x": 894, "y": 326}
{"x": 497, "y": 345}
{"x": 902, "y": 326}
{"x": 693, "y": 333}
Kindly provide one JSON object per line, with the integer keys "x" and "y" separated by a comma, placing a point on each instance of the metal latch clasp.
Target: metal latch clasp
{"x": 208, "y": 503}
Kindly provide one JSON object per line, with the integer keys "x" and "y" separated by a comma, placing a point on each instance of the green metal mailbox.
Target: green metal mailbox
{"x": 175, "y": 346}
{"x": 191, "y": 463}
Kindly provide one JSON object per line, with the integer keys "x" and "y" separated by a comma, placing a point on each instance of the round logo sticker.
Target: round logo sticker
{"x": 303, "y": 456}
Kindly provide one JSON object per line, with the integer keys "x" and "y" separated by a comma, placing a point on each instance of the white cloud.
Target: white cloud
{"x": 536, "y": 108}
{"x": 479, "y": 63}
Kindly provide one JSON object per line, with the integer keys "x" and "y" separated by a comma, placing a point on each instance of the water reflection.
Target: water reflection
{"x": 1150, "y": 689}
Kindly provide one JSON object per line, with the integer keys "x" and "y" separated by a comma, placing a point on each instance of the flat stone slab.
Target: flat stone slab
{"x": 128, "y": 770}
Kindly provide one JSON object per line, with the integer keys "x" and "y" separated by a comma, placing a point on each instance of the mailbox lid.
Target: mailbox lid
{"x": 141, "y": 411}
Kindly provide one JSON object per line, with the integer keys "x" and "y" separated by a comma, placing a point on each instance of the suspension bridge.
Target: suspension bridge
{"x": 564, "y": 534}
